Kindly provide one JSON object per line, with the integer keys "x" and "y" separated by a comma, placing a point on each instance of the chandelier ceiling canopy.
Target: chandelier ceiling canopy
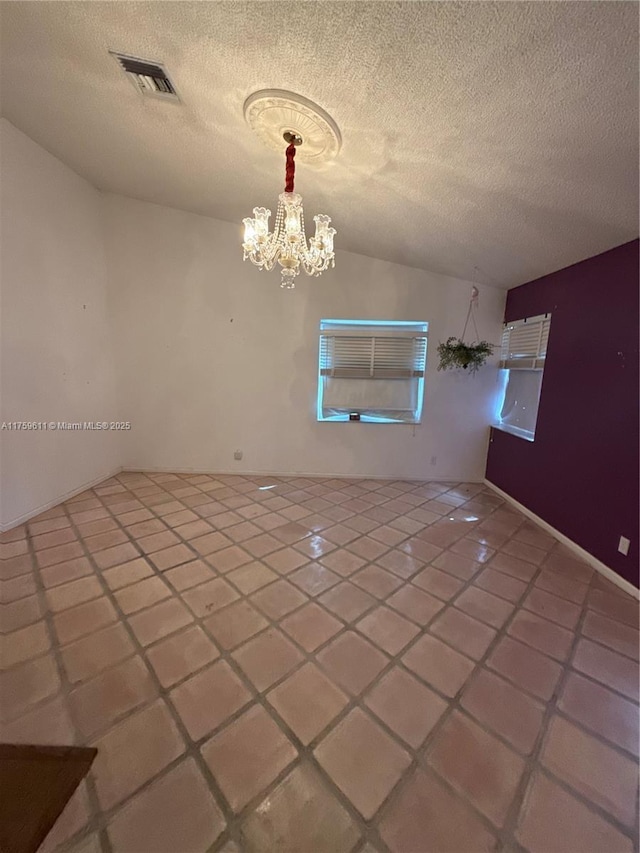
{"x": 281, "y": 118}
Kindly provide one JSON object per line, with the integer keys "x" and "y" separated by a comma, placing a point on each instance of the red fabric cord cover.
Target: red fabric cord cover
{"x": 290, "y": 169}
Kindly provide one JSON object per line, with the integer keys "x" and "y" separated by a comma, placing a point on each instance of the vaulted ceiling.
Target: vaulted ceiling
{"x": 495, "y": 142}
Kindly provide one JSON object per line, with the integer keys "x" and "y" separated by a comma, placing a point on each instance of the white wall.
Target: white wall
{"x": 57, "y": 361}
{"x": 114, "y": 309}
{"x": 215, "y": 357}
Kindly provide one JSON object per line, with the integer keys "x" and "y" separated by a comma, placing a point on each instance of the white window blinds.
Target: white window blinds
{"x": 374, "y": 368}
{"x": 524, "y": 343}
{"x": 361, "y": 355}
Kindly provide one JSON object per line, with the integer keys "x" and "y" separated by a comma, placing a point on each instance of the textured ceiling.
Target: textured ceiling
{"x": 490, "y": 141}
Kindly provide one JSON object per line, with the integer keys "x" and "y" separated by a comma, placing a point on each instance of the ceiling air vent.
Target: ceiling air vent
{"x": 150, "y": 78}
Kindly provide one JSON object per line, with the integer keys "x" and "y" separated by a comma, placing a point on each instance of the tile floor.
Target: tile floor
{"x": 321, "y": 666}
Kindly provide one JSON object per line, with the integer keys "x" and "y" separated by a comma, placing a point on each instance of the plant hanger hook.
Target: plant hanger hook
{"x": 473, "y": 304}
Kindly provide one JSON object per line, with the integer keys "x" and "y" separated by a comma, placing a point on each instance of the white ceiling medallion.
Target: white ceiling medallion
{"x": 271, "y": 113}
{"x": 281, "y": 118}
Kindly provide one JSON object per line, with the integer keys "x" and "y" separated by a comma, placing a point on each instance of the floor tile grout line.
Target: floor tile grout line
{"x": 314, "y": 597}
{"x": 190, "y": 749}
{"x": 535, "y": 764}
{"x": 63, "y": 692}
{"x": 336, "y": 721}
{"x": 302, "y": 749}
{"x": 260, "y": 699}
{"x": 502, "y": 632}
{"x": 376, "y": 604}
{"x": 362, "y": 615}
{"x": 359, "y": 700}
{"x": 326, "y": 643}
{"x": 579, "y": 622}
{"x": 187, "y": 541}
{"x": 518, "y": 803}
{"x": 612, "y": 745}
{"x": 209, "y": 735}
{"x": 551, "y": 709}
{"x": 454, "y": 705}
{"x": 317, "y": 596}
{"x": 603, "y": 645}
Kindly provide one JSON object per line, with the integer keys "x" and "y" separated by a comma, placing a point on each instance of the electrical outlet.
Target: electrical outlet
{"x": 434, "y": 459}
{"x": 623, "y": 545}
{"x": 237, "y": 455}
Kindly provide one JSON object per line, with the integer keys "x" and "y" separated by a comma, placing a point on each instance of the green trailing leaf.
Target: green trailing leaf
{"x": 455, "y": 354}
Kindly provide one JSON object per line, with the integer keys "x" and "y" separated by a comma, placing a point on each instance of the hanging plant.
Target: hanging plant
{"x": 455, "y": 353}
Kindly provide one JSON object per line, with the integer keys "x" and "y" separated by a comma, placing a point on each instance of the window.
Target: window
{"x": 522, "y": 359}
{"x": 371, "y": 368}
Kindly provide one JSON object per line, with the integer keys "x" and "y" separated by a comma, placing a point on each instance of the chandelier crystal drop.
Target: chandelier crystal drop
{"x": 287, "y": 243}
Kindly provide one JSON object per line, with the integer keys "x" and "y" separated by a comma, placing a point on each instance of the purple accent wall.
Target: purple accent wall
{"x": 581, "y": 473}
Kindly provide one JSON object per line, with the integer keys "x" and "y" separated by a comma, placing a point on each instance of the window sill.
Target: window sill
{"x": 517, "y": 431}
{"x": 364, "y": 419}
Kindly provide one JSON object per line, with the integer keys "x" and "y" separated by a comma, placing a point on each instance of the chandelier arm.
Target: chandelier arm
{"x": 290, "y": 169}
{"x": 287, "y": 244}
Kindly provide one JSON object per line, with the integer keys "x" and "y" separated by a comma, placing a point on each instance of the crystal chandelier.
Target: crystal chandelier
{"x": 287, "y": 243}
